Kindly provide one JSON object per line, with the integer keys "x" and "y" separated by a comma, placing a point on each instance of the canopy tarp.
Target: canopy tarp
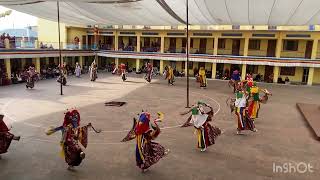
{"x": 173, "y": 12}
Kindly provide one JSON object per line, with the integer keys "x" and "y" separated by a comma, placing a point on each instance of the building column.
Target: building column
{"x": 215, "y": 46}
{"x": 186, "y": 69}
{"x": 162, "y": 43}
{"x": 214, "y": 70}
{"x": 81, "y": 61}
{"x": 276, "y": 70}
{"x": 116, "y": 41}
{"x": 138, "y": 42}
{"x": 8, "y": 67}
{"x": 161, "y": 67}
{"x": 117, "y": 62}
{"x": 310, "y": 76}
{"x": 137, "y": 65}
{"x": 38, "y": 68}
{"x": 314, "y": 49}
{"x": 279, "y": 47}
{"x": 243, "y": 71}
{"x": 246, "y": 46}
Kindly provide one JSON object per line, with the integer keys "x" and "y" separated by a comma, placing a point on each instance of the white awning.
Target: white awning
{"x": 173, "y": 12}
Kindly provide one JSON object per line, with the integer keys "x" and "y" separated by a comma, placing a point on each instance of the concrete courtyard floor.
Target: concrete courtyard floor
{"x": 283, "y": 136}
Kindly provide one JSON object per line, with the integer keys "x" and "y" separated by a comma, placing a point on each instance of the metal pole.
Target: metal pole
{"x": 187, "y": 52}
{"x": 60, "y": 57}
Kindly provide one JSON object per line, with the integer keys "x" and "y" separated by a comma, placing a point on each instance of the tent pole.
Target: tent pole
{"x": 60, "y": 56}
{"x": 187, "y": 52}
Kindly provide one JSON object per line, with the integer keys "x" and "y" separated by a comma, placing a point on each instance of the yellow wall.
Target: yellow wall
{"x": 228, "y": 48}
{"x": 261, "y": 70}
{"x": 75, "y": 32}
{"x": 263, "y": 49}
{"x": 316, "y": 76}
{"x": 297, "y": 76}
{"x": 48, "y": 33}
{"x": 295, "y": 54}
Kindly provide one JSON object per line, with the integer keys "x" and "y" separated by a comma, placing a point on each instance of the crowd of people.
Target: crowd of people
{"x": 12, "y": 40}
{"x": 154, "y": 47}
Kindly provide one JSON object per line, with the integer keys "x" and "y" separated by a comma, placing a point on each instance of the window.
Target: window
{"x": 190, "y": 65}
{"x": 287, "y": 71}
{"x": 290, "y": 45}
{"x": 254, "y": 44}
{"x": 184, "y": 42}
{"x": 221, "y": 43}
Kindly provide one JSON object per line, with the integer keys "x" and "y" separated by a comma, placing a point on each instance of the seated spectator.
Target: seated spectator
{"x": 280, "y": 81}
{"x": 287, "y": 81}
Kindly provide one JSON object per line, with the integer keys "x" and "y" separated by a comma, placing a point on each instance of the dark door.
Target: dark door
{"x": 172, "y": 44}
{"x": 203, "y": 46}
{"x": 202, "y": 64}
{"x": 90, "y": 41}
{"x": 146, "y": 42}
{"x": 267, "y": 73}
{"x": 305, "y": 75}
{"x": 307, "y": 54}
{"x": 236, "y": 47}
{"x": 84, "y": 42}
{"x": 271, "y": 51}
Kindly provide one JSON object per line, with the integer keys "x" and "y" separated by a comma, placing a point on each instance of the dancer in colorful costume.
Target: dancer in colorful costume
{"x": 32, "y": 76}
{"x": 170, "y": 75}
{"x": 202, "y": 77}
{"x": 148, "y": 75}
{"x": 123, "y": 69}
{"x": 93, "y": 71}
{"x": 240, "y": 104}
{"x": 63, "y": 74}
{"x": 5, "y": 137}
{"x": 255, "y": 99}
{"x": 72, "y": 134}
{"x": 201, "y": 115}
{"x": 78, "y": 70}
{"x": 148, "y": 152}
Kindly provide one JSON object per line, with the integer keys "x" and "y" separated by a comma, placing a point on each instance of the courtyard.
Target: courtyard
{"x": 283, "y": 135}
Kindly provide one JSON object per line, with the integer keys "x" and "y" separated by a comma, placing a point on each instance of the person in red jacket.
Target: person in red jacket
{"x": 5, "y": 137}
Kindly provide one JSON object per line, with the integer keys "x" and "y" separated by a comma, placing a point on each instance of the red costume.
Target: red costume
{"x": 5, "y": 136}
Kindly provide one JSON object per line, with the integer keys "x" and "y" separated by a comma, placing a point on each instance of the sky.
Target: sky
{"x": 16, "y": 20}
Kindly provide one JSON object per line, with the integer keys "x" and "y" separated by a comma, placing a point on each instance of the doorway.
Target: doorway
{"x": 305, "y": 75}
{"x": 271, "y": 51}
{"x": 172, "y": 46}
{"x": 308, "y": 51}
{"x": 203, "y": 46}
{"x": 236, "y": 47}
{"x": 268, "y": 70}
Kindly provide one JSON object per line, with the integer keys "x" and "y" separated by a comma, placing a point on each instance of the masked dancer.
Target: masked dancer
{"x": 32, "y": 76}
{"x": 63, "y": 74}
{"x": 93, "y": 71}
{"x": 72, "y": 134}
{"x": 170, "y": 75}
{"x": 149, "y": 69}
{"x": 123, "y": 69}
{"x": 201, "y": 115}
{"x": 5, "y": 137}
{"x": 144, "y": 131}
{"x": 78, "y": 70}
{"x": 202, "y": 77}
